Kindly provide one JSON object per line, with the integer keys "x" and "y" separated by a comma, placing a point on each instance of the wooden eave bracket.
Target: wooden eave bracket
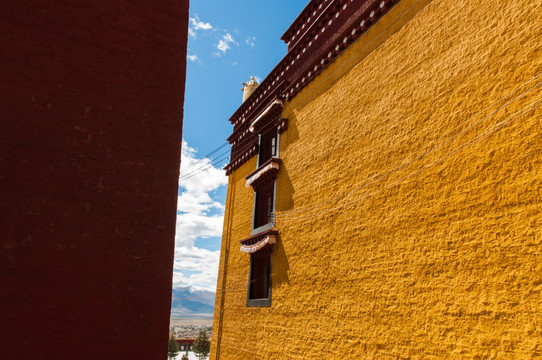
{"x": 261, "y": 242}
{"x": 241, "y": 158}
{"x": 264, "y": 174}
{"x": 273, "y": 110}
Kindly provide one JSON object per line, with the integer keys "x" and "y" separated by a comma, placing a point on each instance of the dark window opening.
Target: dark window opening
{"x": 259, "y": 288}
{"x": 264, "y": 205}
{"x": 268, "y": 146}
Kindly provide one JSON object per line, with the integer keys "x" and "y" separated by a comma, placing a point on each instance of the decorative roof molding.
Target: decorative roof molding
{"x": 268, "y": 240}
{"x": 271, "y": 111}
{"x": 264, "y": 174}
{"x": 304, "y": 21}
{"x": 342, "y": 23}
{"x": 326, "y": 28}
{"x": 282, "y": 125}
{"x": 261, "y": 242}
{"x": 241, "y": 156}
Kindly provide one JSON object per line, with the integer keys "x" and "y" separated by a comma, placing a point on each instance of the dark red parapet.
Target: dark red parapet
{"x": 90, "y": 138}
{"x": 322, "y": 31}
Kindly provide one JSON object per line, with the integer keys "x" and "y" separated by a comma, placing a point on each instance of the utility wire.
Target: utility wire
{"x": 313, "y": 93}
{"x": 204, "y": 162}
{"x": 484, "y": 134}
{"x": 205, "y": 166}
{"x": 206, "y": 156}
{"x": 247, "y": 143}
{"x": 307, "y": 98}
{"x": 438, "y": 145}
{"x": 208, "y": 166}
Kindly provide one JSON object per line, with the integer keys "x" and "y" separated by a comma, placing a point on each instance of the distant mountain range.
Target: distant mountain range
{"x": 187, "y": 302}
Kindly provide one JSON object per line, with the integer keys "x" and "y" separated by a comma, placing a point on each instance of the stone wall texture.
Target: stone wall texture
{"x": 409, "y": 198}
{"x": 92, "y": 95}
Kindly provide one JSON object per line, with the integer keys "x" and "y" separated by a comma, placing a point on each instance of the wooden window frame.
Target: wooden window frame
{"x": 275, "y": 148}
{"x": 260, "y": 302}
{"x": 267, "y": 145}
{"x": 258, "y": 227}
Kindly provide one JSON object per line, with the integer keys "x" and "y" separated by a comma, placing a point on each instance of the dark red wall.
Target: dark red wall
{"x": 91, "y": 96}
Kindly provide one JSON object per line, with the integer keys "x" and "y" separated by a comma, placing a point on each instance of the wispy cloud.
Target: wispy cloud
{"x": 196, "y": 24}
{"x": 250, "y": 41}
{"x": 224, "y": 43}
{"x": 193, "y": 58}
{"x": 199, "y": 217}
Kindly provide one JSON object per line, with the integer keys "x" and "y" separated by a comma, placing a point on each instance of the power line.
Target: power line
{"x": 202, "y": 164}
{"x": 393, "y": 170}
{"x": 484, "y": 134}
{"x": 295, "y": 218}
{"x": 203, "y": 169}
{"x": 247, "y": 143}
{"x": 495, "y": 129}
{"x": 205, "y": 166}
{"x": 339, "y": 68}
{"x": 195, "y": 163}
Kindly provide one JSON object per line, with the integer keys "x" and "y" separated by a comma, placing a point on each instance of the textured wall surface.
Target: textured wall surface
{"x": 409, "y": 200}
{"x": 90, "y": 139}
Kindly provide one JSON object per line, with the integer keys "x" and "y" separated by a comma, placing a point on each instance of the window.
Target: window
{"x": 263, "y": 182}
{"x": 264, "y": 205}
{"x": 259, "y": 285}
{"x": 264, "y": 199}
{"x": 268, "y": 146}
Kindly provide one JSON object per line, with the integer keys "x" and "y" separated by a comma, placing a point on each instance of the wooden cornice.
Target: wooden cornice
{"x": 253, "y": 241}
{"x": 264, "y": 174}
{"x": 323, "y": 30}
{"x": 304, "y": 21}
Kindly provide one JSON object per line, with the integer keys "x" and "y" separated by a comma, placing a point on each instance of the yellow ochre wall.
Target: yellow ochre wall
{"x": 409, "y": 200}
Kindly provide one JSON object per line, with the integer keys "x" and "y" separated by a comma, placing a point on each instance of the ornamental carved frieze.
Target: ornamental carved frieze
{"x": 323, "y": 30}
{"x": 241, "y": 156}
{"x": 264, "y": 174}
{"x": 261, "y": 242}
{"x": 282, "y": 125}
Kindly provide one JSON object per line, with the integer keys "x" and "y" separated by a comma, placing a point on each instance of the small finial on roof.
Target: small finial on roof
{"x": 249, "y": 87}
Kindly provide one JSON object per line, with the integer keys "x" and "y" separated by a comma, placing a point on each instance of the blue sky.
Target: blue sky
{"x": 229, "y": 41}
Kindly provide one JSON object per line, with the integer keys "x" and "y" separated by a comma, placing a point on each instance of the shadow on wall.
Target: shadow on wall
{"x": 285, "y": 189}
{"x": 281, "y": 267}
{"x": 284, "y": 201}
{"x": 291, "y": 135}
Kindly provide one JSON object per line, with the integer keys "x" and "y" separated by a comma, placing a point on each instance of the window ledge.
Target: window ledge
{"x": 261, "y": 242}
{"x": 265, "y": 173}
{"x": 262, "y": 228}
{"x": 259, "y": 302}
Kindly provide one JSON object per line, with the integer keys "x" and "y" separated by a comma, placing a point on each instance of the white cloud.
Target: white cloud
{"x": 250, "y": 41}
{"x": 224, "y": 43}
{"x": 200, "y": 277}
{"x": 200, "y": 217}
{"x": 193, "y": 58}
{"x": 196, "y": 24}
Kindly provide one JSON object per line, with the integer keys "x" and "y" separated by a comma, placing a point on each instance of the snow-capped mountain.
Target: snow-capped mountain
{"x": 187, "y": 302}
